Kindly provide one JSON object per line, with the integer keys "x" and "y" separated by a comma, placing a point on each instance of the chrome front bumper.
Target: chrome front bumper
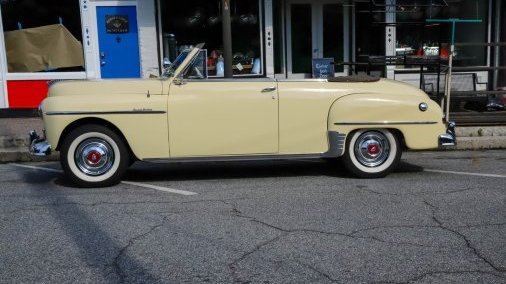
{"x": 38, "y": 146}
{"x": 449, "y": 138}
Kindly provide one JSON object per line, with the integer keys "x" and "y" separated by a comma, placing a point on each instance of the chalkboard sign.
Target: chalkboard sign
{"x": 116, "y": 24}
{"x": 323, "y": 68}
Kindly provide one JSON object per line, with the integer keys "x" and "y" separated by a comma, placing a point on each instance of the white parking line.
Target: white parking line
{"x": 160, "y": 188}
{"x": 464, "y": 173}
{"x": 150, "y": 186}
{"x": 38, "y": 168}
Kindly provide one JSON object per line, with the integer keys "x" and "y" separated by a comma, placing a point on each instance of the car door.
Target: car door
{"x": 216, "y": 117}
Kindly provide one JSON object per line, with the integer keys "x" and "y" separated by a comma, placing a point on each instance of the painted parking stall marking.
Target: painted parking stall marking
{"x": 160, "y": 188}
{"x": 37, "y": 168}
{"x": 138, "y": 184}
{"x": 465, "y": 173}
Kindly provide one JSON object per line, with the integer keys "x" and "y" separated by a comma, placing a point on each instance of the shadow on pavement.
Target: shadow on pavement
{"x": 146, "y": 172}
{"x": 96, "y": 247}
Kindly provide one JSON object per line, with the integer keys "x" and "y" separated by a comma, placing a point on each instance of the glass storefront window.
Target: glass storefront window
{"x": 194, "y": 21}
{"x": 302, "y": 50}
{"x": 371, "y": 42}
{"x": 415, "y": 37}
{"x": 42, "y": 36}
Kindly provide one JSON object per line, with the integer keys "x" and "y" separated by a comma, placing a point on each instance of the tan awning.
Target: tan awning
{"x": 42, "y": 48}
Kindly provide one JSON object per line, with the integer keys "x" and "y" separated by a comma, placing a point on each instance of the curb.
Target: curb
{"x": 22, "y": 155}
{"x": 481, "y": 143}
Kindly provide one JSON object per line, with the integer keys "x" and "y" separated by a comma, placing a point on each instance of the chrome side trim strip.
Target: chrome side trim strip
{"x": 385, "y": 123}
{"x": 235, "y": 158}
{"x": 105, "y": 112}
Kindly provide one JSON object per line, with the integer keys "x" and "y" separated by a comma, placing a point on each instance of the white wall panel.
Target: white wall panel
{"x": 147, "y": 37}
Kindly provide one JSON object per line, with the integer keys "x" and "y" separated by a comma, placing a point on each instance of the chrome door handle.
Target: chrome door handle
{"x": 270, "y": 89}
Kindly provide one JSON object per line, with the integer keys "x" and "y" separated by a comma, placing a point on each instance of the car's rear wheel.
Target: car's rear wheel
{"x": 94, "y": 156}
{"x": 372, "y": 153}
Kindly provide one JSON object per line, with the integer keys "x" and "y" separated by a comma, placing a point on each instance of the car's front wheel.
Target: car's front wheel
{"x": 372, "y": 153}
{"x": 94, "y": 156}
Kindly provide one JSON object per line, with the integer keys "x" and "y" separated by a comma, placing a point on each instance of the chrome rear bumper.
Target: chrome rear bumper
{"x": 449, "y": 138}
{"x": 38, "y": 146}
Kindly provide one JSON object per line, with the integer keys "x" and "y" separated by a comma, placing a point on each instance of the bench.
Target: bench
{"x": 463, "y": 87}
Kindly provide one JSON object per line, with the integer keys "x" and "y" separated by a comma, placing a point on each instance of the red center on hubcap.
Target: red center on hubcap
{"x": 94, "y": 157}
{"x": 373, "y": 149}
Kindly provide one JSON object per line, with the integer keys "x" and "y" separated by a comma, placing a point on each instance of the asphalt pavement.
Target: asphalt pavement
{"x": 440, "y": 218}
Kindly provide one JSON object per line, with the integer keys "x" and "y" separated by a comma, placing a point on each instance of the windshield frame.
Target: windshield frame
{"x": 182, "y": 61}
{"x": 169, "y": 72}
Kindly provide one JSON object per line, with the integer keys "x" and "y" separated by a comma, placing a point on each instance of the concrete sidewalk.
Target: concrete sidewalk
{"x": 14, "y": 139}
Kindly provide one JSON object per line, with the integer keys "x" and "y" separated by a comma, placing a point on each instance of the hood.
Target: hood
{"x": 106, "y": 87}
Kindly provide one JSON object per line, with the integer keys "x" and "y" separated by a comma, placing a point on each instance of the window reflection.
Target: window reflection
{"x": 193, "y": 21}
{"x": 42, "y": 36}
{"x": 415, "y": 37}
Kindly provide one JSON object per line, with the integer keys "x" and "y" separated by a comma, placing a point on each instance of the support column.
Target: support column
{"x": 497, "y": 39}
{"x": 227, "y": 39}
{"x": 390, "y": 34}
{"x": 502, "y": 20}
{"x": 269, "y": 39}
{"x": 4, "y": 102}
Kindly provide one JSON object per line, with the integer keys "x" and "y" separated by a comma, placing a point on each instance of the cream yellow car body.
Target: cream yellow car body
{"x": 182, "y": 118}
{"x": 142, "y": 110}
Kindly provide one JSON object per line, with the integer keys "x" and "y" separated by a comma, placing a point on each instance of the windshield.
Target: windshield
{"x": 169, "y": 71}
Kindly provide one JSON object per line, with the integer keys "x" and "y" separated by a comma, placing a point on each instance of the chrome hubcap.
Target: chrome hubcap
{"x": 94, "y": 157}
{"x": 372, "y": 149}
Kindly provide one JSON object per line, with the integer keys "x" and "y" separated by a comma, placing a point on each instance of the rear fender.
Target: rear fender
{"x": 420, "y": 129}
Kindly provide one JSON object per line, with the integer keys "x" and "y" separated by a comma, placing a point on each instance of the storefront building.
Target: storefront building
{"x": 42, "y": 41}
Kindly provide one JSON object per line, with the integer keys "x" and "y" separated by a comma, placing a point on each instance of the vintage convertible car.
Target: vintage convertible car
{"x": 101, "y": 127}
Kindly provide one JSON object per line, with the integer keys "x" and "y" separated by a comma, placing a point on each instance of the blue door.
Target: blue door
{"x": 118, "y": 42}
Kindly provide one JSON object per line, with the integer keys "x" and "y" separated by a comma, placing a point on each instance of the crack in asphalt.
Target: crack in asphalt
{"x": 365, "y": 188}
{"x": 233, "y": 265}
{"x": 325, "y": 275}
{"x": 348, "y": 235}
{"x": 469, "y": 244}
{"x": 238, "y": 213}
{"x": 115, "y": 263}
{"x": 434, "y": 273}
{"x": 117, "y": 269}
{"x": 284, "y": 232}
{"x": 392, "y": 227}
{"x": 481, "y": 225}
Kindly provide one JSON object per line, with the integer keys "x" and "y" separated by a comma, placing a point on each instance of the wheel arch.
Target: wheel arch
{"x": 97, "y": 121}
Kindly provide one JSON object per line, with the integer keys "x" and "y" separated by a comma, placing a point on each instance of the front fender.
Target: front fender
{"x": 389, "y": 111}
{"x": 141, "y": 120}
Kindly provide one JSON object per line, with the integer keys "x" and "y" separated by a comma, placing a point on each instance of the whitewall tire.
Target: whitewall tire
{"x": 371, "y": 153}
{"x": 94, "y": 156}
